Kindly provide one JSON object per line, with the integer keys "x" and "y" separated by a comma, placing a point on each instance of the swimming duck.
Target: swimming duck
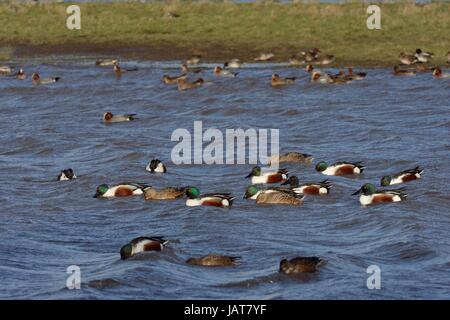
{"x": 194, "y": 59}
{"x": 314, "y": 188}
{"x": 66, "y": 174}
{"x": 5, "y": 70}
{"x": 106, "y": 63}
{"x": 213, "y": 260}
{"x": 340, "y": 168}
{"x": 321, "y": 78}
{"x": 423, "y": 56}
{"x": 437, "y": 72}
{"x": 36, "y": 79}
{"x": 268, "y": 177}
{"x": 296, "y": 157}
{"x": 370, "y": 195}
{"x": 296, "y": 61}
{"x": 325, "y": 59}
{"x": 168, "y": 193}
{"x": 21, "y": 74}
{"x": 421, "y": 67}
{"x": 278, "y": 81}
{"x": 264, "y": 57}
{"x": 119, "y": 71}
{"x": 184, "y": 85}
{"x": 156, "y": 165}
{"x": 170, "y": 80}
{"x": 120, "y": 190}
{"x": 402, "y": 177}
{"x": 277, "y": 195}
{"x": 356, "y": 75}
{"x": 407, "y": 59}
{"x": 108, "y": 117}
{"x": 233, "y": 64}
{"x": 142, "y": 244}
{"x": 186, "y": 69}
{"x": 211, "y": 199}
{"x": 219, "y": 71}
{"x": 301, "y": 265}
{"x": 401, "y": 72}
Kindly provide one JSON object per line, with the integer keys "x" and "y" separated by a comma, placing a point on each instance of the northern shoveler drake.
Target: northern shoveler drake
{"x": 340, "y": 168}
{"x": 356, "y": 75}
{"x": 108, "y": 117}
{"x": 168, "y": 193}
{"x": 119, "y": 71}
{"x": 186, "y": 69}
{"x": 120, "y": 190}
{"x": 5, "y": 70}
{"x": 370, "y": 195}
{"x": 21, "y": 74}
{"x": 301, "y": 265}
{"x": 402, "y": 177}
{"x": 194, "y": 59}
{"x": 171, "y": 80}
{"x": 407, "y": 59}
{"x": 36, "y": 79}
{"x": 66, "y": 174}
{"x": 295, "y": 157}
{"x": 210, "y": 199}
{"x": 106, "y": 63}
{"x": 437, "y": 72}
{"x": 156, "y": 165}
{"x": 277, "y": 195}
{"x": 313, "y": 188}
{"x": 264, "y": 57}
{"x": 213, "y": 260}
{"x": 219, "y": 71}
{"x": 423, "y": 56}
{"x": 142, "y": 244}
{"x": 402, "y": 72}
{"x": 184, "y": 85}
{"x": 268, "y": 177}
{"x": 233, "y": 64}
{"x": 296, "y": 61}
{"x": 278, "y": 81}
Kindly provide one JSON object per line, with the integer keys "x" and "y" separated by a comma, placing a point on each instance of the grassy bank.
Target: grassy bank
{"x": 224, "y": 30}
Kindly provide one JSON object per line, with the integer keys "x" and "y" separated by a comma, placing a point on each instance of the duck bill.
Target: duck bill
{"x": 285, "y": 183}
{"x": 249, "y": 175}
{"x": 96, "y": 195}
{"x": 357, "y": 192}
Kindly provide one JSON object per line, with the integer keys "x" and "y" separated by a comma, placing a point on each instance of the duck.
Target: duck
{"x": 357, "y": 75}
{"x": 106, "y": 63}
{"x": 276, "y": 195}
{"x": 66, "y": 174}
{"x": 109, "y": 117}
{"x": 157, "y": 166}
{"x": 5, "y": 70}
{"x": 407, "y": 59}
{"x": 214, "y": 260}
{"x": 168, "y": 193}
{"x": 296, "y": 61}
{"x": 211, "y": 199}
{"x": 310, "y": 55}
{"x": 268, "y": 177}
{"x": 36, "y": 79}
{"x": 370, "y": 195}
{"x": 21, "y": 75}
{"x": 402, "y": 177}
{"x": 194, "y": 59}
{"x": 219, "y": 71}
{"x": 119, "y": 71}
{"x": 264, "y": 57}
{"x": 120, "y": 190}
{"x": 171, "y": 80}
{"x": 293, "y": 157}
{"x": 340, "y": 168}
{"x": 423, "y": 56}
{"x": 325, "y": 59}
{"x": 301, "y": 265}
{"x": 142, "y": 244}
{"x": 278, "y": 81}
{"x": 401, "y": 72}
{"x": 233, "y": 64}
{"x": 437, "y": 73}
{"x": 421, "y": 67}
{"x": 312, "y": 188}
{"x": 184, "y": 85}
{"x": 318, "y": 77}
{"x": 186, "y": 69}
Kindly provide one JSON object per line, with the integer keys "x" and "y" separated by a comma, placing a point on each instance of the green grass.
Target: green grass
{"x": 226, "y": 30}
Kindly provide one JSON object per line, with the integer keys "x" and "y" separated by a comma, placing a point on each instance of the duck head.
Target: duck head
{"x": 101, "y": 190}
{"x": 126, "y": 251}
{"x": 107, "y": 116}
{"x": 256, "y": 172}
{"x": 367, "y": 189}
{"x": 321, "y": 166}
{"x": 192, "y": 192}
{"x": 385, "y": 181}
{"x": 251, "y": 191}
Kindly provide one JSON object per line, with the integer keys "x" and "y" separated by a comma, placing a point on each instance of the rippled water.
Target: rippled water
{"x": 389, "y": 123}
